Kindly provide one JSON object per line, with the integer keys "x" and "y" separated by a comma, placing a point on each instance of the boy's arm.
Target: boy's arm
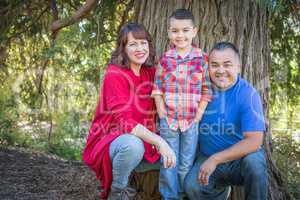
{"x": 157, "y": 93}
{"x": 206, "y": 91}
{"x": 160, "y": 106}
{"x": 201, "y": 109}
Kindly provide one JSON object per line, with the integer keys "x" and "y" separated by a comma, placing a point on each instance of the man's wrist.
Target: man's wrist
{"x": 216, "y": 158}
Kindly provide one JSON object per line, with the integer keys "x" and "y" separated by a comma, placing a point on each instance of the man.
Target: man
{"x": 230, "y": 134}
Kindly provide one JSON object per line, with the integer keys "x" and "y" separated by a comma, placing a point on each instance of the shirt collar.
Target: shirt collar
{"x": 194, "y": 53}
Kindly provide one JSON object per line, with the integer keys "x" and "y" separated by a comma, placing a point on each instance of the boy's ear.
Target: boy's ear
{"x": 195, "y": 31}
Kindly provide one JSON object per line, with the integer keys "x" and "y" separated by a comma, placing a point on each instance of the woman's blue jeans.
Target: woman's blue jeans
{"x": 126, "y": 154}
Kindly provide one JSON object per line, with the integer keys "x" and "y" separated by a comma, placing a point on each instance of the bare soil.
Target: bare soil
{"x": 32, "y": 175}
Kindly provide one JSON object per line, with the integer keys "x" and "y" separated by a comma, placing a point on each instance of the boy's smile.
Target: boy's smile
{"x": 181, "y": 33}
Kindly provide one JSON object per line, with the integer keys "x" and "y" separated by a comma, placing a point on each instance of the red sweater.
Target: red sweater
{"x": 124, "y": 102}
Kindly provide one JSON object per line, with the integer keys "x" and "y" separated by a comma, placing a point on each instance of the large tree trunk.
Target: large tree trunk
{"x": 243, "y": 22}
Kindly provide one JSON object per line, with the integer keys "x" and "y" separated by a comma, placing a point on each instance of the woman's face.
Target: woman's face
{"x": 137, "y": 50}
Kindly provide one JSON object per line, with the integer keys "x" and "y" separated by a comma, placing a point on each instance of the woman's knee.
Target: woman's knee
{"x": 131, "y": 145}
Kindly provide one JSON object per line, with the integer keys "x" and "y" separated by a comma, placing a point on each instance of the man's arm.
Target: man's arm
{"x": 251, "y": 143}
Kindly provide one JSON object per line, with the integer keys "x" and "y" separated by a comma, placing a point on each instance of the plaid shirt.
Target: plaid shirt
{"x": 182, "y": 83}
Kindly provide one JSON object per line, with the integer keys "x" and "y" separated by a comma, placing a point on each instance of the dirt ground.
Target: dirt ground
{"x": 32, "y": 175}
{"x": 27, "y": 175}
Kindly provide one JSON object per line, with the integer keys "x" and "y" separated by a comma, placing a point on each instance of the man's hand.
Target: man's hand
{"x": 206, "y": 169}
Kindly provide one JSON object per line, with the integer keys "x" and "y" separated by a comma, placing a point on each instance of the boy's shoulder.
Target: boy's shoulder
{"x": 197, "y": 52}
{"x": 169, "y": 53}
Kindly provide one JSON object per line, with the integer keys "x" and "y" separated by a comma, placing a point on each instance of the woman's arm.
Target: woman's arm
{"x": 166, "y": 152}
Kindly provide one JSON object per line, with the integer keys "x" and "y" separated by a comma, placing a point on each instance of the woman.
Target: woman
{"x": 122, "y": 132}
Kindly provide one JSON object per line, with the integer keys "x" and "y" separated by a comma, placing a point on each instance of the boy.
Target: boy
{"x": 181, "y": 91}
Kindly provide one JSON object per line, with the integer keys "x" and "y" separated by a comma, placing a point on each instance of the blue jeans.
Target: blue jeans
{"x": 184, "y": 145}
{"x": 249, "y": 171}
{"x": 126, "y": 154}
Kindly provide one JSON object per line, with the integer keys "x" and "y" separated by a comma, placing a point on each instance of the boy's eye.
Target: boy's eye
{"x": 227, "y": 65}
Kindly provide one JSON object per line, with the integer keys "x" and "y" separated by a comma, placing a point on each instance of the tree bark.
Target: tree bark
{"x": 242, "y": 22}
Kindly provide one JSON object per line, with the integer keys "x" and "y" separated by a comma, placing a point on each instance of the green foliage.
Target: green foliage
{"x": 68, "y": 136}
{"x": 287, "y": 156}
{"x": 285, "y": 90}
{"x": 8, "y": 118}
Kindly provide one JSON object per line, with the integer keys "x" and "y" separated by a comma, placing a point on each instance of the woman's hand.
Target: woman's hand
{"x": 168, "y": 155}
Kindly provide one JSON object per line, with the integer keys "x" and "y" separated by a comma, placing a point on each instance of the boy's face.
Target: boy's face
{"x": 181, "y": 33}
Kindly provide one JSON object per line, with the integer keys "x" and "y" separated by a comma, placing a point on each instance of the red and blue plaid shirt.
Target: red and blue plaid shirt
{"x": 182, "y": 82}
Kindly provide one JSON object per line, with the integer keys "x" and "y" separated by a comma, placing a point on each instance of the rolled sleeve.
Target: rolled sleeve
{"x": 206, "y": 90}
{"x": 158, "y": 82}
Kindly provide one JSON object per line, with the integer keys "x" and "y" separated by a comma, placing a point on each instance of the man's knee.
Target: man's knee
{"x": 254, "y": 165}
{"x": 191, "y": 187}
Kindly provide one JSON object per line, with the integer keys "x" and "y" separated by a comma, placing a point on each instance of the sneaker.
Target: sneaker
{"x": 126, "y": 193}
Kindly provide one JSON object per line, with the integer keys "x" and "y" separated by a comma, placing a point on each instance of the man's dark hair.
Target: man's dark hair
{"x": 183, "y": 14}
{"x": 225, "y": 45}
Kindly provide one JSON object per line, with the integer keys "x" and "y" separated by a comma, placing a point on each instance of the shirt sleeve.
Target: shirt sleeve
{"x": 252, "y": 117}
{"x": 206, "y": 84}
{"x": 158, "y": 81}
{"x": 118, "y": 95}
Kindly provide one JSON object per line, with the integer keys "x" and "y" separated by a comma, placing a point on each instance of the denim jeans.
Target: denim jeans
{"x": 184, "y": 145}
{"x": 126, "y": 152}
{"x": 249, "y": 171}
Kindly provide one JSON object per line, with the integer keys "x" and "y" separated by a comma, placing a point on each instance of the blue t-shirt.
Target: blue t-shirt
{"x": 228, "y": 115}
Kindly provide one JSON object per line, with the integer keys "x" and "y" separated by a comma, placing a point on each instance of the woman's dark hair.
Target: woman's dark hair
{"x": 119, "y": 56}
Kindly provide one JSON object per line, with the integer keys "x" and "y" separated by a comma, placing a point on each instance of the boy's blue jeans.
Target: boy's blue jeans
{"x": 184, "y": 145}
{"x": 126, "y": 154}
{"x": 249, "y": 171}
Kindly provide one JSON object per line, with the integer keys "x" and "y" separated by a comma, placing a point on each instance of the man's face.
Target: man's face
{"x": 181, "y": 33}
{"x": 224, "y": 66}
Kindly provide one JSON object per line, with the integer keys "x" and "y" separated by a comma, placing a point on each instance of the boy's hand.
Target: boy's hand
{"x": 168, "y": 155}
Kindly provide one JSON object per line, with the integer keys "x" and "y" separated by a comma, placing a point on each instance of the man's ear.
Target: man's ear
{"x": 239, "y": 68}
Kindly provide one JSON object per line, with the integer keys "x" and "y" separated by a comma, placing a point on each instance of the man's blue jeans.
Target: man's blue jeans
{"x": 126, "y": 154}
{"x": 249, "y": 171}
{"x": 184, "y": 145}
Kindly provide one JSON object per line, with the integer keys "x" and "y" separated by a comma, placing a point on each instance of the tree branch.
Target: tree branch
{"x": 82, "y": 12}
